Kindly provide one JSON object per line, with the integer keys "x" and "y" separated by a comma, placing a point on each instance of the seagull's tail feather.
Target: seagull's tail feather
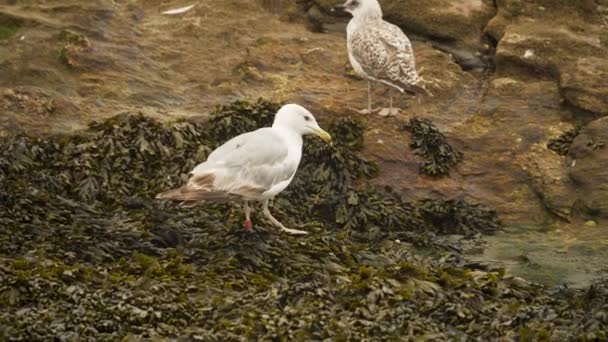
{"x": 190, "y": 194}
{"x": 414, "y": 89}
{"x": 417, "y": 89}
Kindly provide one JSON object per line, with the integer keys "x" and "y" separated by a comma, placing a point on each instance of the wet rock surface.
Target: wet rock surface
{"x": 583, "y": 84}
{"x": 548, "y": 176}
{"x": 589, "y": 167}
{"x": 565, "y": 40}
{"x": 452, "y": 26}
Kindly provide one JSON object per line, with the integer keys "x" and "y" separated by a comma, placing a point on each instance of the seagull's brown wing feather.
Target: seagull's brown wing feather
{"x": 385, "y": 54}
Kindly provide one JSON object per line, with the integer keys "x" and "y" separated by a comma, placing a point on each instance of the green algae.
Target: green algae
{"x": 9, "y": 26}
{"x": 8, "y": 30}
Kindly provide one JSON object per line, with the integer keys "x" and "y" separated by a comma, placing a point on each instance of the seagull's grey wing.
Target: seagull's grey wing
{"x": 247, "y": 165}
{"x": 385, "y": 53}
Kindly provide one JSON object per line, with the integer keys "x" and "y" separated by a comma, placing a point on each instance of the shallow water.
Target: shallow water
{"x": 571, "y": 254}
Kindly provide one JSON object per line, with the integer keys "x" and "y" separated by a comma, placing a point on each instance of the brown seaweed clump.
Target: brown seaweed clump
{"x": 87, "y": 254}
{"x": 459, "y": 217}
{"x": 430, "y": 144}
{"x": 561, "y": 145}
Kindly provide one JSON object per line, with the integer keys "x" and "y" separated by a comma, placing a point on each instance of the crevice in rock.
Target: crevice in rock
{"x": 467, "y": 60}
{"x": 579, "y": 116}
{"x": 490, "y": 53}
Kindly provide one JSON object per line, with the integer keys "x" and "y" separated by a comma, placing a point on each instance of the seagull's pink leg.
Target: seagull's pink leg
{"x": 247, "y": 224}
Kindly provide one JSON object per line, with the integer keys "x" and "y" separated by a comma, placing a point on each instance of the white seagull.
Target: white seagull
{"x": 254, "y": 166}
{"x": 379, "y": 51}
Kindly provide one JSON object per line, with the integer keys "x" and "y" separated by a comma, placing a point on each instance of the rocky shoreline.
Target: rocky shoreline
{"x": 104, "y": 104}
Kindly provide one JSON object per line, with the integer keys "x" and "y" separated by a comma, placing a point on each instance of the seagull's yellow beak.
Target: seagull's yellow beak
{"x": 323, "y": 135}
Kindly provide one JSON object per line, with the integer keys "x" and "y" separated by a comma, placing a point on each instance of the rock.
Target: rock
{"x": 557, "y": 41}
{"x": 591, "y": 223}
{"x": 545, "y": 47}
{"x": 317, "y": 57}
{"x": 316, "y": 19}
{"x": 584, "y": 84}
{"x": 549, "y": 180}
{"x": 326, "y": 5}
{"x": 590, "y": 170}
{"x": 451, "y": 20}
{"x": 248, "y": 72}
{"x": 505, "y": 85}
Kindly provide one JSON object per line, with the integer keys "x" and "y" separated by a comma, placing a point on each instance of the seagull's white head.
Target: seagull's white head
{"x": 299, "y": 120}
{"x": 363, "y": 8}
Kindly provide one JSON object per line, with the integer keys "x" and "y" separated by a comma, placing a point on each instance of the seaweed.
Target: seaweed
{"x": 71, "y": 45}
{"x": 561, "y": 145}
{"x": 459, "y": 217}
{"x": 439, "y": 157}
{"x": 86, "y": 253}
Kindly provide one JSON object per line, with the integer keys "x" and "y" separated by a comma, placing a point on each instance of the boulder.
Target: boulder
{"x": 448, "y": 20}
{"x": 545, "y": 47}
{"x": 589, "y": 168}
{"x": 584, "y": 84}
{"x": 566, "y": 42}
{"x": 549, "y": 179}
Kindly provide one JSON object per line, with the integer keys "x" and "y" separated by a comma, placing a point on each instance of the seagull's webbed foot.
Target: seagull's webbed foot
{"x": 279, "y": 224}
{"x": 389, "y": 111}
{"x": 366, "y": 111}
{"x": 293, "y": 231}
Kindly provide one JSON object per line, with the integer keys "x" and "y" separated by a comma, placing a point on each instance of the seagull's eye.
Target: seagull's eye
{"x": 307, "y": 118}
{"x": 354, "y": 3}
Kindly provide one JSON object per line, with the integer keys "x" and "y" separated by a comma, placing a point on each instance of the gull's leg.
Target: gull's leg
{"x": 369, "y": 96}
{"x": 369, "y": 99}
{"x": 247, "y": 224}
{"x": 279, "y": 224}
{"x": 389, "y": 111}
